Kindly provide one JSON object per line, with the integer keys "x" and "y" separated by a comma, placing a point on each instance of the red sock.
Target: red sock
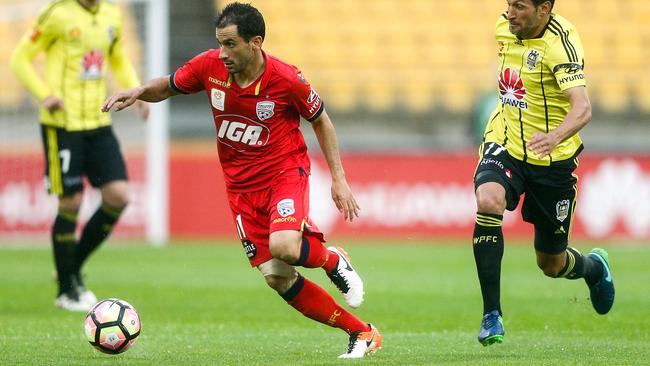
{"x": 313, "y": 254}
{"x": 315, "y": 303}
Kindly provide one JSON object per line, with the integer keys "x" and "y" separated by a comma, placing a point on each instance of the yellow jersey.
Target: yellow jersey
{"x": 532, "y": 75}
{"x": 77, "y": 43}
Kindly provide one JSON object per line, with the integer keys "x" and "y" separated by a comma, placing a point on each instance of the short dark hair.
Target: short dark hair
{"x": 249, "y": 21}
{"x": 540, "y": 2}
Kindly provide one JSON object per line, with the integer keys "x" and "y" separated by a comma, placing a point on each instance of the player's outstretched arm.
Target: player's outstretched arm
{"x": 341, "y": 192}
{"x": 154, "y": 90}
{"x": 580, "y": 114}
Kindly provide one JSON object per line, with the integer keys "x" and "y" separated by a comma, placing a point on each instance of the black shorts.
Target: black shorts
{"x": 71, "y": 155}
{"x": 550, "y": 193}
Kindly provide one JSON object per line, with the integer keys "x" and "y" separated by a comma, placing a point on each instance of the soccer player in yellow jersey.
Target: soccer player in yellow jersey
{"x": 530, "y": 147}
{"x": 79, "y": 38}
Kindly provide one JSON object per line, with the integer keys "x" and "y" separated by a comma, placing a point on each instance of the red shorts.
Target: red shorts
{"x": 282, "y": 206}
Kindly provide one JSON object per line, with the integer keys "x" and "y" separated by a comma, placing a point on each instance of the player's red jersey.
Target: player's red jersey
{"x": 258, "y": 127}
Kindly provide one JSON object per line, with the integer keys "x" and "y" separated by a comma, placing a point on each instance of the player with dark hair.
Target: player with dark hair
{"x": 531, "y": 146}
{"x": 78, "y": 37}
{"x": 537, "y": 3}
{"x": 257, "y": 101}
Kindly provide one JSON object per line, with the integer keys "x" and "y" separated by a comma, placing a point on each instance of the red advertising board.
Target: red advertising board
{"x": 26, "y": 210}
{"x": 421, "y": 195}
{"x": 401, "y": 196}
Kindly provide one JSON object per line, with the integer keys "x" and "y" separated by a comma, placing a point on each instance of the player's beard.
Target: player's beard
{"x": 520, "y": 31}
{"x": 242, "y": 64}
{"x": 527, "y": 27}
{"x": 90, "y": 3}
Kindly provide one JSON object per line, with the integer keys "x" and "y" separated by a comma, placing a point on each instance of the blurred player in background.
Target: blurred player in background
{"x": 78, "y": 37}
{"x": 531, "y": 146}
{"x": 257, "y": 101}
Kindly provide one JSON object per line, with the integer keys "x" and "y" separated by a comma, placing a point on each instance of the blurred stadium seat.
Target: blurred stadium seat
{"x": 426, "y": 54}
{"x": 419, "y": 55}
{"x": 11, "y": 29}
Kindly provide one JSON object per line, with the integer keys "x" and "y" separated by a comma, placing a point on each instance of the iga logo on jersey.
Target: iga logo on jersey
{"x": 511, "y": 88}
{"x": 241, "y": 133}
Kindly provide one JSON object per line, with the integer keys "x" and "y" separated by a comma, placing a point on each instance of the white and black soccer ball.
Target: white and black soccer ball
{"x": 112, "y": 326}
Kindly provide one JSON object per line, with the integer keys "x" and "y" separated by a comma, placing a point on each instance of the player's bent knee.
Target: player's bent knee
{"x": 279, "y": 284}
{"x": 491, "y": 198}
{"x": 119, "y": 203}
{"x": 281, "y": 251}
{"x": 551, "y": 273}
{"x": 550, "y": 269}
{"x": 71, "y": 203}
{"x": 285, "y": 245}
{"x": 551, "y": 264}
{"x": 490, "y": 204}
{"x": 116, "y": 194}
{"x": 278, "y": 275}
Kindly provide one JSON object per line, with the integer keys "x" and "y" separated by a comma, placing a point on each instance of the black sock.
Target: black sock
{"x": 488, "y": 251}
{"x": 581, "y": 266}
{"x": 94, "y": 233}
{"x": 64, "y": 243}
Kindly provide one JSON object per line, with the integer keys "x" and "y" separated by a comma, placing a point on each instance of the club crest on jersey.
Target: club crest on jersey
{"x": 111, "y": 33}
{"x": 286, "y": 208}
{"x": 265, "y": 110}
{"x": 511, "y": 88}
{"x": 218, "y": 99}
{"x": 531, "y": 59}
{"x": 562, "y": 210}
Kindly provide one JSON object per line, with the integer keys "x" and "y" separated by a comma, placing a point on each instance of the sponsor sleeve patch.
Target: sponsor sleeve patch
{"x": 569, "y": 75}
{"x": 306, "y": 99}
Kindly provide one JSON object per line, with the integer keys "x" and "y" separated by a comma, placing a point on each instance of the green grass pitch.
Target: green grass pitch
{"x": 203, "y": 305}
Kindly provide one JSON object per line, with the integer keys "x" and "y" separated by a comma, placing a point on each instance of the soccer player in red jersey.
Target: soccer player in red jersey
{"x": 257, "y": 101}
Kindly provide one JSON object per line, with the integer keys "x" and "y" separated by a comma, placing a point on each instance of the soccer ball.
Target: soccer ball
{"x": 112, "y": 326}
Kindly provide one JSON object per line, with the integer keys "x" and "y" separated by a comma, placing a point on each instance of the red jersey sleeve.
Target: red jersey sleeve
{"x": 306, "y": 100}
{"x": 188, "y": 78}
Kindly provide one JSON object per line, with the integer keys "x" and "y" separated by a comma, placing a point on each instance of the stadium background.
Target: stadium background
{"x": 408, "y": 84}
